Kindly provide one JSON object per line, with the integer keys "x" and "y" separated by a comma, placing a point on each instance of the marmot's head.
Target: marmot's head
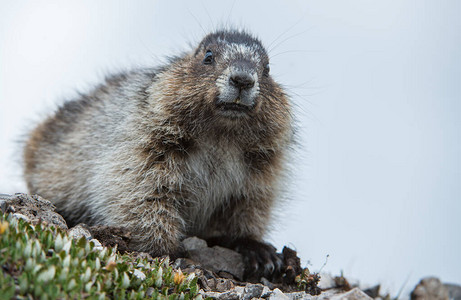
{"x": 240, "y": 63}
{"x": 225, "y": 81}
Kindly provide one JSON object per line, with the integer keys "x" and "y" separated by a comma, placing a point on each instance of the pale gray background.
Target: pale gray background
{"x": 376, "y": 181}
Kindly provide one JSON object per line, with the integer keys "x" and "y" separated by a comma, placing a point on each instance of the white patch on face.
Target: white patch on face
{"x": 223, "y": 80}
{"x": 234, "y": 49}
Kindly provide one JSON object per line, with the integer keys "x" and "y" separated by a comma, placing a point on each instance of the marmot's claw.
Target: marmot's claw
{"x": 279, "y": 264}
{"x": 261, "y": 259}
{"x": 269, "y": 268}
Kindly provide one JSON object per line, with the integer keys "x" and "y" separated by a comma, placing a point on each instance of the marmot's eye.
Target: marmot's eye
{"x": 208, "y": 57}
{"x": 266, "y": 70}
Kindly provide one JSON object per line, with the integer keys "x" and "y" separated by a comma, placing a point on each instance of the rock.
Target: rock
{"x": 139, "y": 274}
{"x": 4, "y": 198}
{"x": 454, "y": 291}
{"x": 218, "y": 259}
{"x": 222, "y": 285}
{"x": 333, "y": 294}
{"x": 33, "y": 209}
{"x": 430, "y": 288}
{"x": 80, "y": 230}
{"x": 298, "y": 295}
{"x": 194, "y": 243}
{"x": 227, "y": 275}
{"x": 21, "y": 216}
{"x": 207, "y": 284}
{"x": 265, "y": 292}
{"x": 354, "y": 294}
{"x": 373, "y": 292}
{"x": 207, "y": 294}
{"x": 253, "y": 291}
{"x": 267, "y": 283}
{"x": 97, "y": 245}
{"x": 278, "y": 295}
{"x": 232, "y": 295}
{"x": 229, "y": 295}
{"x": 184, "y": 263}
{"x": 259, "y": 291}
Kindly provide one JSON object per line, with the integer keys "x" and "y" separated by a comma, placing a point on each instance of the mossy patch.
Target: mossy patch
{"x": 42, "y": 262}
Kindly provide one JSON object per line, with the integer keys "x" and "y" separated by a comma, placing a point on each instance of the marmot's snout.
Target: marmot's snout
{"x": 242, "y": 80}
{"x": 238, "y": 93}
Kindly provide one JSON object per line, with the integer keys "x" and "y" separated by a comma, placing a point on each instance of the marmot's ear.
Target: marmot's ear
{"x": 266, "y": 70}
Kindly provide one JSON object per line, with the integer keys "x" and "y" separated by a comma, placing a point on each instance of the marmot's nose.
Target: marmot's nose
{"x": 242, "y": 80}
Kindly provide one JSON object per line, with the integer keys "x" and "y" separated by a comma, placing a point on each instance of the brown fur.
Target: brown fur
{"x": 148, "y": 150}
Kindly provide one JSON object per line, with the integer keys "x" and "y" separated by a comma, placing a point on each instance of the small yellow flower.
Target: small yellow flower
{"x": 178, "y": 277}
{"x": 3, "y": 226}
{"x": 111, "y": 265}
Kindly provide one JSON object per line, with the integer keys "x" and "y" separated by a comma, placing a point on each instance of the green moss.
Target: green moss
{"x": 42, "y": 262}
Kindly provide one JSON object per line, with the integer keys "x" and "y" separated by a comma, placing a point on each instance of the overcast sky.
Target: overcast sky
{"x": 376, "y": 178}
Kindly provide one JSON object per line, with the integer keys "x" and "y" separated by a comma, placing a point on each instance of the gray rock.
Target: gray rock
{"x": 219, "y": 259}
{"x": 430, "y": 288}
{"x": 266, "y": 292}
{"x": 278, "y": 295}
{"x": 207, "y": 284}
{"x": 258, "y": 291}
{"x": 373, "y": 291}
{"x": 354, "y": 294}
{"x": 97, "y": 244}
{"x": 223, "y": 285}
{"x": 267, "y": 283}
{"x": 80, "y": 230}
{"x": 184, "y": 263}
{"x": 4, "y": 198}
{"x": 213, "y": 295}
{"x": 21, "y": 216}
{"x": 33, "y": 208}
{"x": 305, "y": 296}
{"x": 230, "y": 295}
{"x": 298, "y": 295}
{"x": 194, "y": 243}
{"x": 454, "y": 291}
{"x": 333, "y": 294}
{"x": 139, "y": 274}
{"x": 225, "y": 274}
{"x": 252, "y": 291}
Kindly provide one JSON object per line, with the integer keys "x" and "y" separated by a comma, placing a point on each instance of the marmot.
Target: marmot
{"x": 194, "y": 147}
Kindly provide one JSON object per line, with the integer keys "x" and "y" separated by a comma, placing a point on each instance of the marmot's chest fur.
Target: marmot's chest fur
{"x": 217, "y": 173}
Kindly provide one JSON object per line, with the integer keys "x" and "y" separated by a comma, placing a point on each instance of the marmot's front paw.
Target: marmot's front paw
{"x": 261, "y": 259}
